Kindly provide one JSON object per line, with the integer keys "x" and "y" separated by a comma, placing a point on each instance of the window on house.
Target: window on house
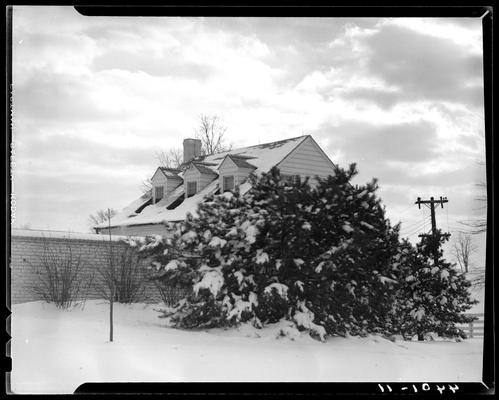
{"x": 290, "y": 178}
{"x": 158, "y": 193}
{"x": 192, "y": 188}
{"x": 228, "y": 183}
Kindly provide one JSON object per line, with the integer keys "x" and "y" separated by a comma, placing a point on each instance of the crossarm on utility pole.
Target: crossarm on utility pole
{"x": 431, "y": 204}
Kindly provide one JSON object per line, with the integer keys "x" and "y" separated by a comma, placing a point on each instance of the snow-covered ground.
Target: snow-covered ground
{"x": 54, "y": 351}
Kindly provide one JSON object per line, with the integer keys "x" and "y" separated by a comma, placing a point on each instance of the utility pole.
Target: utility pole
{"x": 112, "y": 282}
{"x": 431, "y": 204}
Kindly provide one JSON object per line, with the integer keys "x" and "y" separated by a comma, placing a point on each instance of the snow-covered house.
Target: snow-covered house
{"x": 176, "y": 192}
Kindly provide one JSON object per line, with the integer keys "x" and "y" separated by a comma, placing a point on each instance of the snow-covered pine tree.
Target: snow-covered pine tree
{"x": 430, "y": 298}
{"x": 283, "y": 247}
{"x": 319, "y": 256}
{"x": 353, "y": 268}
{"x": 211, "y": 253}
{"x": 325, "y": 257}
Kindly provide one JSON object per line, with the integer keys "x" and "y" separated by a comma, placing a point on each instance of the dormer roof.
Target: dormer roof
{"x": 240, "y": 161}
{"x": 170, "y": 172}
{"x": 204, "y": 168}
{"x": 167, "y": 172}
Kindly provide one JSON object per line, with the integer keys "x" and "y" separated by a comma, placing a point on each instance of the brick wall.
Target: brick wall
{"x": 26, "y": 251}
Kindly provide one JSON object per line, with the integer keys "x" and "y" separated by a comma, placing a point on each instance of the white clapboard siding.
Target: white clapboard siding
{"x": 159, "y": 179}
{"x": 168, "y": 183}
{"x": 307, "y": 160}
{"x": 191, "y": 175}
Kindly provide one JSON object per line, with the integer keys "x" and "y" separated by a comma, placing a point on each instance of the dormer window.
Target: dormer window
{"x": 163, "y": 182}
{"x": 192, "y": 188}
{"x": 158, "y": 193}
{"x": 228, "y": 183}
{"x": 233, "y": 171}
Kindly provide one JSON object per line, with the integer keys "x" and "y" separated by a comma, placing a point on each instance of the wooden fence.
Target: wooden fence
{"x": 475, "y": 328}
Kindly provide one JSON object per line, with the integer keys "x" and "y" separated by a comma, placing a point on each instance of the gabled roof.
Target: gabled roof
{"x": 261, "y": 158}
{"x": 170, "y": 172}
{"x": 204, "y": 168}
{"x": 240, "y": 161}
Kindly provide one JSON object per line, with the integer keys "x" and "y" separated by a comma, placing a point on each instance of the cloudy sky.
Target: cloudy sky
{"x": 96, "y": 97}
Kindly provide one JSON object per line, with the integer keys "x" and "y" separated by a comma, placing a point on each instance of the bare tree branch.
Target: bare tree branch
{"x": 146, "y": 187}
{"x": 478, "y": 225}
{"x": 211, "y": 132}
{"x": 101, "y": 216}
{"x": 462, "y": 249}
{"x": 170, "y": 158}
{"x": 477, "y": 278}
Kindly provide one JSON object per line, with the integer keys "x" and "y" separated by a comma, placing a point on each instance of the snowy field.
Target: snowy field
{"x": 54, "y": 351}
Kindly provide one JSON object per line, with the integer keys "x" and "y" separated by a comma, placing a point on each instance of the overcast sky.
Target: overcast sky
{"x": 96, "y": 97}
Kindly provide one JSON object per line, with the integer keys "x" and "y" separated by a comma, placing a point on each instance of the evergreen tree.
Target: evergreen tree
{"x": 431, "y": 298}
{"x": 323, "y": 256}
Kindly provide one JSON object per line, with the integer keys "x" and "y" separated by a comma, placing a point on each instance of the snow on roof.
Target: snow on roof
{"x": 159, "y": 213}
{"x": 152, "y": 212}
{"x": 262, "y": 158}
{"x": 204, "y": 168}
{"x": 241, "y": 161}
{"x": 170, "y": 172}
{"x": 129, "y": 211}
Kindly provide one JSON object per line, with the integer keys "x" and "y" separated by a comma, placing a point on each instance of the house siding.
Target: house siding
{"x": 192, "y": 174}
{"x": 159, "y": 179}
{"x": 169, "y": 184}
{"x": 307, "y": 160}
{"x": 203, "y": 180}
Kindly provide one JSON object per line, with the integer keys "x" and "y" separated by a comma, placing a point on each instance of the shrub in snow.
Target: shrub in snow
{"x": 323, "y": 258}
{"x": 59, "y": 275}
{"x": 169, "y": 295}
{"x": 130, "y": 277}
{"x": 205, "y": 312}
{"x": 431, "y": 299}
{"x": 123, "y": 273}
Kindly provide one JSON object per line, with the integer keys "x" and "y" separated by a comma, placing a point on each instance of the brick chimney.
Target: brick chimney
{"x": 192, "y": 149}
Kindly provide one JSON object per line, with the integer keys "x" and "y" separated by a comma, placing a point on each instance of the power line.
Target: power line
{"x": 412, "y": 232}
{"x": 414, "y": 228}
{"x": 409, "y": 227}
{"x": 447, "y": 211}
{"x": 407, "y": 209}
